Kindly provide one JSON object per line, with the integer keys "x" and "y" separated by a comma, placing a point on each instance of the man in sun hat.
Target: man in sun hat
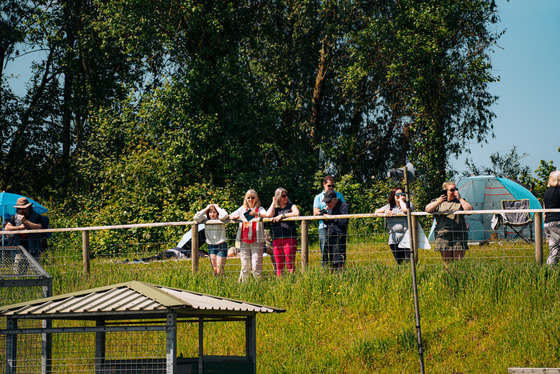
{"x": 26, "y": 219}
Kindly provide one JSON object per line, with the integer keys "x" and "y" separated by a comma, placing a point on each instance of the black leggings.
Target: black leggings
{"x": 401, "y": 254}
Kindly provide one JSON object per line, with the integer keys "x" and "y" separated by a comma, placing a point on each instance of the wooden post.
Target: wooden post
{"x": 85, "y": 251}
{"x": 171, "y": 344}
{"x": 200, "y": 345}
{"x": 304, "y": 245}
{"x": 251, "y": 340}
{"x": 11, "y": 347}
{"x": 414, "y": 232}
{"x": 538, "y": 238}
{"x": 100, "y": 347}
{"x": 194, "y": 247}
{"x": 46, "y": 338}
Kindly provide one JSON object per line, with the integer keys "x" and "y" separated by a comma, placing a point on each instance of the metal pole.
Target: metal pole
{"x": 194, "y": 247}
{"x": 413, "y": 267}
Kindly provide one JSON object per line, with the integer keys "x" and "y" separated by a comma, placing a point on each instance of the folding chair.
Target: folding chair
{"x": 516, "y": 221}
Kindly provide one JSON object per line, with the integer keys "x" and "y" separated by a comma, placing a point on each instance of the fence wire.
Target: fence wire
{"x": 364, "y": 245}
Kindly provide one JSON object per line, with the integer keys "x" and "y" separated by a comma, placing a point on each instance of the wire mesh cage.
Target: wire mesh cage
{"x": 22, "y": 279}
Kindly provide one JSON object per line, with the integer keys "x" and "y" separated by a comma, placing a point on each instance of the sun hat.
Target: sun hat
{"x": 22, "y": 203}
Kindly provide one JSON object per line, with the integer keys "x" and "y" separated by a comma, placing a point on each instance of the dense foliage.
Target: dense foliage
{"x": 146, "y": 110}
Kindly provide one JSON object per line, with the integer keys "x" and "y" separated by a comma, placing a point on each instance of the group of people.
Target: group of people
{"x": 251, "y": 233}
{"x": 451, "y": 230}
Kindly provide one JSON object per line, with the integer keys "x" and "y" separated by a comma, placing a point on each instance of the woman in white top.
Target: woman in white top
{"x": 398, "y": 226}
{"x": 215, "y": 235}
{"x": 250, "y": 235}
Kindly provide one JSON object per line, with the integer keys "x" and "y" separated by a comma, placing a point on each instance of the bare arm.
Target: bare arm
{"x": 431, "y": 207}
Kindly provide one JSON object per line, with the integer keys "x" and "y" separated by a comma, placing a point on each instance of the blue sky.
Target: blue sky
{"x": 527, "y": 60}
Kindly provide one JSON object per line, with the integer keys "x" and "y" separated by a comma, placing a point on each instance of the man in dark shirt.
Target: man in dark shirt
{"x": 337, "y": 230}
{"x": 26, "y": 219}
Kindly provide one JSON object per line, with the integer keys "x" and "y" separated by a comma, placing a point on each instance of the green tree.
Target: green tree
{"x": 433, "y": 67}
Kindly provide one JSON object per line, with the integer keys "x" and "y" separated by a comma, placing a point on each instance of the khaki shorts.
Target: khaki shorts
{"x": 449, "y": 240}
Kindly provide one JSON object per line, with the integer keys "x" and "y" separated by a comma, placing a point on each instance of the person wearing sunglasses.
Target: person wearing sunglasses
{"x": 451, "y": 231}
{"x": 284, "y": 243}
{"x": 319, "y": 208}
{"x": 398, "y": 225}
{"x": 250, "y": 235}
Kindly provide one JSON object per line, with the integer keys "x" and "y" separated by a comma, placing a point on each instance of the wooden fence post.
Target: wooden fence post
{"x": 194, "y": 247}
{"x": 85, "y": 251}
{"x": 304, "y": 245}
{"x": 538, "y": 238}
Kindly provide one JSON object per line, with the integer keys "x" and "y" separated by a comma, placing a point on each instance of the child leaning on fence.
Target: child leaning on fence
{"x": 215, "y": 236}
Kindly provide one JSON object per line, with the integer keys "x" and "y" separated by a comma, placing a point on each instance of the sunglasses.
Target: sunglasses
{"x": 329, "y": 185}
{"x": 251, "y": 198}
{"x": 285, "y": 195}
{"x": 400, "y": 194}
{"x": 453, "y": 189}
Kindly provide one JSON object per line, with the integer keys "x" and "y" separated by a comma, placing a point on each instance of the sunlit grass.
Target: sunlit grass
{"x": 493, "y": 310}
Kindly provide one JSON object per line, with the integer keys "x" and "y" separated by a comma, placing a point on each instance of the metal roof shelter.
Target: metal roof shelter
{"x": 128, "y": 308}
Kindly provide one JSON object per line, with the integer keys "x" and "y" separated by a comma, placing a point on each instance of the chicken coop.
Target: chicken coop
{"x": 132, "y": 327}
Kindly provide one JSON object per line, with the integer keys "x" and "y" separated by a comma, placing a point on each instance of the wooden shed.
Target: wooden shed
{"x": 115, "y": 322}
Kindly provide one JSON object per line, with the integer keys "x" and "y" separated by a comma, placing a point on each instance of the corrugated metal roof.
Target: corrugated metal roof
{"x": 132, "y": 297}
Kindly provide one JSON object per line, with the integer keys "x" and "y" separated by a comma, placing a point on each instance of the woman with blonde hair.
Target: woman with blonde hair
{"x": 551, "y": 200}
{"x": 250, "y": 234}
{"x": 451, "y": 230}
{"x": 284, "y": 233}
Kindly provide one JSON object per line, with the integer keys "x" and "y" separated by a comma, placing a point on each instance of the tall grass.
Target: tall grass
{"x": 477, "y": 316}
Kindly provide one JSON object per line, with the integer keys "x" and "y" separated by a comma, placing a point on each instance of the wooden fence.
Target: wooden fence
{"x": 538, "y": 230}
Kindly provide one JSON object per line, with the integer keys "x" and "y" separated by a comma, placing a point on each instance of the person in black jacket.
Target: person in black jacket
{"x": 337, "y": 230}
{"x": 551, "y": 200}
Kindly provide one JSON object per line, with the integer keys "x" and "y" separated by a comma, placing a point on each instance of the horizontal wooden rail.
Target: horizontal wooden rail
{"x": 304, "y": 219}
{"x": 299, "y": 218}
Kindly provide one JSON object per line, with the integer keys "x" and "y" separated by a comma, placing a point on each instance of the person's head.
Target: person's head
{"x": 251, "y": 199}
{"x": 554, "y": 179}
{"x": 212, "y": 212}
{"x": 452, "y": 191}
{"x": 328, "y": 183}
{"x": 330, "y": 199}
{"x": 281, "y": 196}
{"x": 395, "y": 193}
{"x": 23, "y": 206}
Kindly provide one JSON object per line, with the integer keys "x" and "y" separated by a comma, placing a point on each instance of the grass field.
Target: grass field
{"x": 495, "y": 309}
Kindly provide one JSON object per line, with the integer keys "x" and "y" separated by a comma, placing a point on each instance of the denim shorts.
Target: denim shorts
{"x": 219, "y": 250}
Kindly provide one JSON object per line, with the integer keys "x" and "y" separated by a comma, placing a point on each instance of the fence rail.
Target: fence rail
{"x": 304, "y": 228}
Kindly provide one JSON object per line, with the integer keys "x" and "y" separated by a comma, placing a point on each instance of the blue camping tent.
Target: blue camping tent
{"x": 486, "y": 192}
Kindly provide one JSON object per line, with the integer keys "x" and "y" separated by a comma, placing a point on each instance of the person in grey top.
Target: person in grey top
{"x": 398, "y": 226}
